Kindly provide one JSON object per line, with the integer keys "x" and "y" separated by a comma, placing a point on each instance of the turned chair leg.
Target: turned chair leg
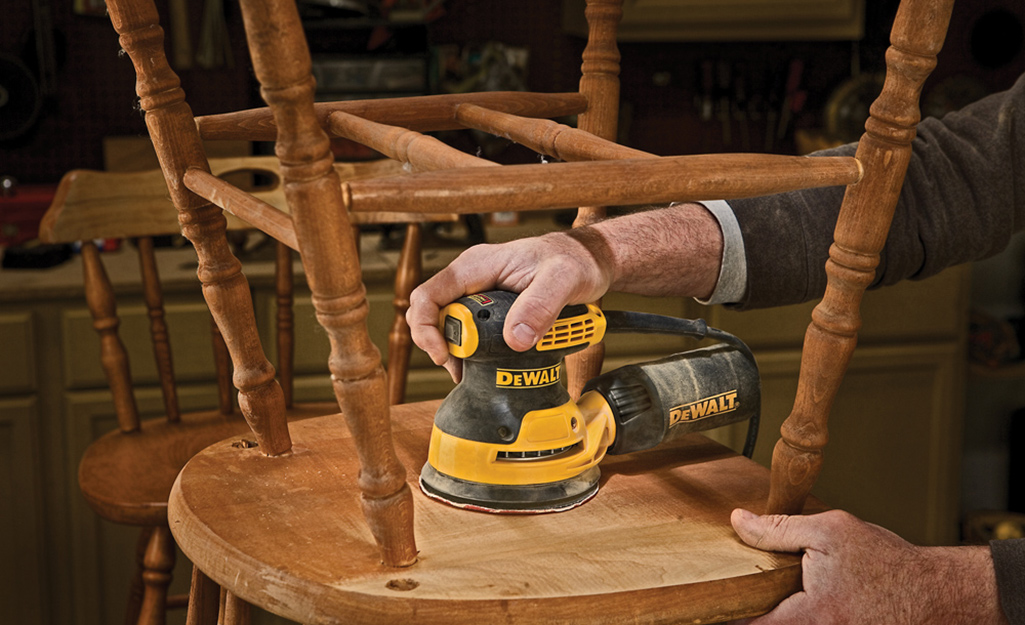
{"x": 134, "y": 606}
{"x": 158, "y": 562}
{"x": 204, "y": 600}
{"x": 233, "y": 611}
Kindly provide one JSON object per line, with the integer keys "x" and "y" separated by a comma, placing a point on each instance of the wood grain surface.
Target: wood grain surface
{"x": 126, "y": 478}
{"x": 97, "y": 204}
{"x": 620, "y": 182}
{"x": 655, "y": 545}
{"x": 420, "y": 113}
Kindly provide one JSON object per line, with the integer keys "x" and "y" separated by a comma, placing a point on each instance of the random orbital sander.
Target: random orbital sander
{"x": 509, "y": 439}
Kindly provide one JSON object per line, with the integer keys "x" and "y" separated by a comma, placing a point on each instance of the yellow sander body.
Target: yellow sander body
{"x": 510, "y": 439}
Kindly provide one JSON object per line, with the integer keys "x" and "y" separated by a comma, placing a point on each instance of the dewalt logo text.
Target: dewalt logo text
{"x": 527, "y": 378}
{"x": 703, "y": 408}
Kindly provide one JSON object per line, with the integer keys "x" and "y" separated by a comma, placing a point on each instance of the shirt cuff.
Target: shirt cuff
{"x": 732, "y": 284}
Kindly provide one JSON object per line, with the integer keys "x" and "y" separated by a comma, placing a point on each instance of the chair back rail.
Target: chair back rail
{"x": 422, "y": 113}
{"x": 861, "y": 229}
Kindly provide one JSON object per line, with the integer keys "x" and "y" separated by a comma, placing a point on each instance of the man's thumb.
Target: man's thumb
{"x": 772, "y": 532}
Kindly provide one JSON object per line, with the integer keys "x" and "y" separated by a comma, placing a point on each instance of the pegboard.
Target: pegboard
{"x": 95, "y": 87}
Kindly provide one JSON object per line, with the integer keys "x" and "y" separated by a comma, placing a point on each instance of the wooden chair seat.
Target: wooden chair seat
{"x": 158, "y": 451}
{"x": 657, "y": 535}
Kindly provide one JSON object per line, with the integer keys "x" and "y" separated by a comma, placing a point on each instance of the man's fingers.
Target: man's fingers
{"x": 426, "y": 301}
{"x": 422, "y": 319}
{"x": 534, "y": 311}
{"x": 777, "y": 532}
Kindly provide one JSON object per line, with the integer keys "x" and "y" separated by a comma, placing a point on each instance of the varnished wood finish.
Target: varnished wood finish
{"x": 283, "y": 67}
{"x": 204, "y": 600}
{"x": 861, "y": 231}
{"x": 422, "y": 113}
{"x": 564, "y": 185}
{"x": 113, "y": 356}
{"x": 153, "y": 456}
{"x": 158, "y": 327}
{"x": 158, "y": 562}
{"x": 173, "y": 130}
{"x": 252, "y": 210}
{"x": 134, "y": 604}
{"x": 654, "y": 546}
{"x": 400, "y": 342}
{"x": 546, "y": 136}
{"x": 421, "y": 151}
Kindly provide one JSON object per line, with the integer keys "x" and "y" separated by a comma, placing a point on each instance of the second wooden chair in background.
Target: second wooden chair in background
{"x": 126, "y": 475}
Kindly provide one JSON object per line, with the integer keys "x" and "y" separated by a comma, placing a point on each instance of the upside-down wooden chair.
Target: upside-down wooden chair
{"x": 127, "y": 474}
{"x": 318, "y": 523}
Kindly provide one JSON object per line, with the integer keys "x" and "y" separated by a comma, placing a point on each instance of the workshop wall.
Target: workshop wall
{"x": 663, "y": 83}
{"x": 94, "y": 86}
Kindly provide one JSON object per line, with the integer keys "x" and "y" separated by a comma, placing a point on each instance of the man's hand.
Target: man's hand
{"x": 856, "y": 572}
{"x": 548, "y": 272}
{"x": 674, "y": 251}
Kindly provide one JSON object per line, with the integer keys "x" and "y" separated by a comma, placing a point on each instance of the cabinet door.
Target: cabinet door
{"x": 22, "y": 556}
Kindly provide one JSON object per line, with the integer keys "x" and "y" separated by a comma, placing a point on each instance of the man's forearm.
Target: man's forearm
{"x": 674, "y": 251}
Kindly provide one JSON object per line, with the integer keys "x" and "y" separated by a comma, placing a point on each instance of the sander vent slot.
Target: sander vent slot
{"x": 566, "y": 333}
{"x": 541, "y": 454}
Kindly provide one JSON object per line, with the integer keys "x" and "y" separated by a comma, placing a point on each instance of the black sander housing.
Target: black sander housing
{"x": 509, "y": 438}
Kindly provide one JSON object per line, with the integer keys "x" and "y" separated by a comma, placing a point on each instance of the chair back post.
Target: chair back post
{"x": 599, "y": 82}
{"x": 281, "y": 61}
{"x": 99, "y": 296}
{"x": 158, "y": 327}
{"x": 863, "y": 223}
{"x": 176, "y": 140}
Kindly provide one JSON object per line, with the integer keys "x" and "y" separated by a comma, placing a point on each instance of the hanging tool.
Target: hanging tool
{"x": 509, "y": 438}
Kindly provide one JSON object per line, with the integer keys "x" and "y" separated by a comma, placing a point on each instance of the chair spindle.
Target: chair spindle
{"x": 862, "y": 226}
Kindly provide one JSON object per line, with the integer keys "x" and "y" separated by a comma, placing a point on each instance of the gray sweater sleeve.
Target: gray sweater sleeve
{"x": 1009, "y": 562}
{"x": 961, "y": 201}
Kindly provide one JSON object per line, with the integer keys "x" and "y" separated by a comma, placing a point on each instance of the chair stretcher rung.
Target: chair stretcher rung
{"x": 260, "y": 214}
{"x": 601, "y": 183}
{"x": 545, "y": 136}
{"x": 423, "y": 152}
{"x": 420, "y": 113}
